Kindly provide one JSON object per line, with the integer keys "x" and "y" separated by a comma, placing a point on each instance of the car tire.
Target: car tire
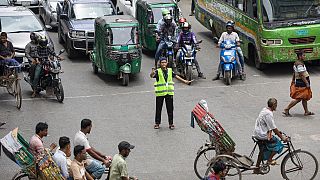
{"x": 71, "y": 52}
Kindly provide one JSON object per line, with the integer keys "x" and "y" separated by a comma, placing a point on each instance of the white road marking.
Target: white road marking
{"x": 151, "y": 91}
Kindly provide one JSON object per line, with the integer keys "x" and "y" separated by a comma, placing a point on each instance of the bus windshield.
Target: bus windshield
{"x": 275, "y": 11}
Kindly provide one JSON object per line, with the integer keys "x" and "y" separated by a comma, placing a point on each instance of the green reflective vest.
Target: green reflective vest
{"x": 162, "y": 87}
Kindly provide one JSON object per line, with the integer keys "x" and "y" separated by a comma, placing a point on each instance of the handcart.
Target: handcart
{"x": 41, "y": 168}
{"x": 296, "y": 164}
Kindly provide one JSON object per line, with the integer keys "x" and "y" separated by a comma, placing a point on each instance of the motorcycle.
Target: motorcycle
{"x": 228, "y": 62}
{"x": 49, "y": 77}
{"x": 185, "y": 63}
{"x": 168, "y": 51}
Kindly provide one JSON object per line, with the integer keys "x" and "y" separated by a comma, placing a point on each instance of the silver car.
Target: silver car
{"x": 18, "y": 22}
{"x": 48, "y": 13}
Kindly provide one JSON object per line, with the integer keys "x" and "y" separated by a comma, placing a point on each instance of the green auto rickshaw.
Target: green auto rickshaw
{"x": 117, "y": 48}
{"x": 148, "y": 13}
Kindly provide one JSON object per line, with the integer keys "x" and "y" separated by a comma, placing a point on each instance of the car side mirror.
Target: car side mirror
{"x": 64, "y": 16}
{"x": 48, "y": 27}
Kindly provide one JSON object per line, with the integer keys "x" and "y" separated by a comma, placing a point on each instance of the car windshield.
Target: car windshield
{"x": 20, "y": 24}
{"x": 288, "y": 10}
{"x": 91, "y": 11}
{"x": 157, "y": 15}
{"x": 124, "y": 35}
{"x": 4, "y": 3}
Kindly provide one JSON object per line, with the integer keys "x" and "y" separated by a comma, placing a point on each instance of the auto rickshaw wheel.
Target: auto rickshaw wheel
{"x": 95, "y": 68}
{"x": 125, "y": 79}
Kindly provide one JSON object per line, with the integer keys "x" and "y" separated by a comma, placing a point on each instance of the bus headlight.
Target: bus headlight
{"x": 271, "y": 42}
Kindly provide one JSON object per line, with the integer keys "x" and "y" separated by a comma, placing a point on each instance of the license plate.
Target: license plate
{"x": 227, "y": 53}
{"x": 25, "y": 3}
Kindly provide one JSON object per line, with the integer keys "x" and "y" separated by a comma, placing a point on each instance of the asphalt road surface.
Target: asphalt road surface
{"x": 127, "y": 113}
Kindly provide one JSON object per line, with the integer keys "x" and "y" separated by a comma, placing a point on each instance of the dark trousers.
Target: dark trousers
{"x": 169, "y": 106}
{"x": 192, "y": 6}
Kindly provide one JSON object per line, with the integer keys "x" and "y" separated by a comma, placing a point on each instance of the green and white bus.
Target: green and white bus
{"x": 271, "y": 30}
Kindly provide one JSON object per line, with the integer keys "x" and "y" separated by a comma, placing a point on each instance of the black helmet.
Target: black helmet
{"x": 230, "y": 23}
{"x": 219, "y": 166}
{"x": 43, "y": 41}
{"x": 33, "y": 36}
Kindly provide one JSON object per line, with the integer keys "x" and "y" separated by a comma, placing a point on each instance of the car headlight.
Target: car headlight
{"x": 77, "y": 34}
{"x": 271, "y": 42}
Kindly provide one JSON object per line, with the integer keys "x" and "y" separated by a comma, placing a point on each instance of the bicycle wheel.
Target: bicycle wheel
{"x": 9, "y": 87}
{"x": 17, "y": 93}
{"x": 299, "y": 165}
{"x": 233, "y": 172}
{"x": 21, "y": 175}
{"x": 202, "y": 159}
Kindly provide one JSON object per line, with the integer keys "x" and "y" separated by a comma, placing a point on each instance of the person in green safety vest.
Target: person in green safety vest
{"x": 164, "y": 89}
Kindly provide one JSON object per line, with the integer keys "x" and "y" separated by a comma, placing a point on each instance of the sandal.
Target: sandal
{"x": 156, "y": 126}
{"x": 286, "y": 113}
{"x": 272, "y": 163}
{"x": 309, "y": 113}
{"x": 171, "y": 127}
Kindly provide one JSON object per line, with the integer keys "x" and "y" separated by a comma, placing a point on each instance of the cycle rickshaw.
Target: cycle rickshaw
{"x": 11, "y": 81}
{"x": 296, "y": 164}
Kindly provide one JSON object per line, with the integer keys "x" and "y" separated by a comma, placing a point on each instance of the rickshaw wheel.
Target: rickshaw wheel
{"x": 17, "y": 93}
{"x": 232, "y": 170}
{"x": 9, "y": 87}
{"x": 125, "y": 79}
{"x": 95, "y": 68}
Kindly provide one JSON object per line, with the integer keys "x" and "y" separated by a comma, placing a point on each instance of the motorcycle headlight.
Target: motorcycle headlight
{"x": 77, "y": 34}
{"x": 170, "y": 44}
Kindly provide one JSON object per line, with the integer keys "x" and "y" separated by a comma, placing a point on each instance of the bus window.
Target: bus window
{"x": 252, "y": 10}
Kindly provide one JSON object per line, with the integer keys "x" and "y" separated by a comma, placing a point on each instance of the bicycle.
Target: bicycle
{"x": 204, "y": 154}
{"x": 11, "y": 81}
{"x": 292, "y": 164}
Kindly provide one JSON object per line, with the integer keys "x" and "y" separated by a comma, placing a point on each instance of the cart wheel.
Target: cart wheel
{"x": 202, "y": 159}
{"x": 9, "y": 87}
{"x": 125, "y": 79}
{"x": 233, "y": 171}
{"x": 59, "y": 93}
{"x": 17, "y": 93}
{"x": 95, "y": 68}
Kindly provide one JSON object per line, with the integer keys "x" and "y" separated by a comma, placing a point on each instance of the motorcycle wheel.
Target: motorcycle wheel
{"x": 227, "y": 76}
{"x": 170, "y": 61}
{"x": 125, "y": 79}
{"x": 189, "y": 73}
{"x": 59, "y": 93}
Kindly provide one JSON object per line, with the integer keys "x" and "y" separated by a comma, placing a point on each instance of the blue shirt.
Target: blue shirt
{"x": 61, "y": 160}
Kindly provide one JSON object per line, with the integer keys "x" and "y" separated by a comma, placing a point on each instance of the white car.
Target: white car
{"x": 129, "y": 7}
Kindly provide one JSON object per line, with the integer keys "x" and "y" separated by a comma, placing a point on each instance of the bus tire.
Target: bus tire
{"x": 253, "y": 55}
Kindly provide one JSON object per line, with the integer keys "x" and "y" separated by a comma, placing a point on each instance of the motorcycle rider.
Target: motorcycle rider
{"x": 31, "y": 53}
{"x": 168, "y": 28}
{"x": 186, "y": 37}
{"x": 164, "y": 12}
{"x": 43, "y": 52}
{"x": 233, "y": 36}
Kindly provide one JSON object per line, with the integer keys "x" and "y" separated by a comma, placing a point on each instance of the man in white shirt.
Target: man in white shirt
{"x": 60, "y": 157}
{"x": 93, "y": 166}
{"x": 232, "y": 36}
{"x": 263, "y": 131}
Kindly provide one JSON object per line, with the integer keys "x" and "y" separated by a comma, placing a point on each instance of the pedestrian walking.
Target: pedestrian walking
{"x": 164, "y": 89}
{"x": 119, "y": 168}
{"x": 192, "y": 8}
{"x": 300, "y": 86}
